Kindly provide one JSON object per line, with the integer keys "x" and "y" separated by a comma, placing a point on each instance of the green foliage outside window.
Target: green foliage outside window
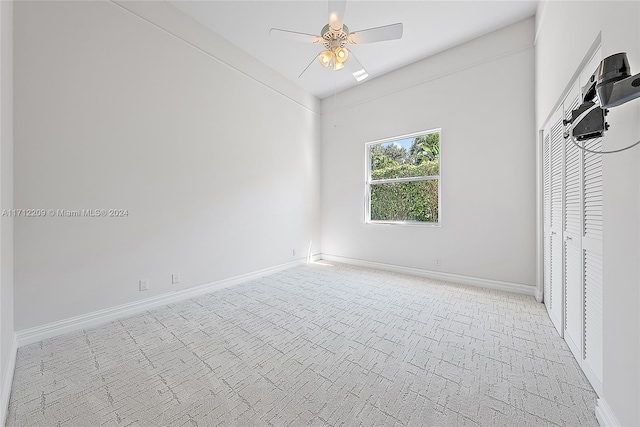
{"x": 405, "y": 200}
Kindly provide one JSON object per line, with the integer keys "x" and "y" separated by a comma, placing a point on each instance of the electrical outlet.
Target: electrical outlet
{"x": 144, "y": 284}
{"x": 175, "y": 278}
{"x": 438, "y": 262}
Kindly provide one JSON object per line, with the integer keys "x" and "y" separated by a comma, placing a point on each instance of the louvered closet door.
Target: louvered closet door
{"x": 572, "y": 191}
{"x": 556, "y": 283}
{"x": 572, "y": 233}
{"x": 546, "y": 209}
{"x": 591, "y": 252}
{"x": 592, "y": 264}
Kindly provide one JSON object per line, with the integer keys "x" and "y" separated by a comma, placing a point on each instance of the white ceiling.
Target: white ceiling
{"x": 429, "y": 27}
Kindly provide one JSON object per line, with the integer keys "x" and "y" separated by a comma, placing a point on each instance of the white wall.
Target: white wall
{"x": 481, "y": 95}
{"x": 7, "y": 348}
{"x": 219, "y": 170}
{"x": 565, "y": 31}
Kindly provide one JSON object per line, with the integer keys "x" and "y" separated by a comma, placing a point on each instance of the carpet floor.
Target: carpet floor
{"x": 320, "y": 344}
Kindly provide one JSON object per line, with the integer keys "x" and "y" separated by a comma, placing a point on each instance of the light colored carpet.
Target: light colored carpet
{"x": 313, "y": 345}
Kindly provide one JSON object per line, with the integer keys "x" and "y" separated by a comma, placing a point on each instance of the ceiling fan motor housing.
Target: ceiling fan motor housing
{"x": 334, "y": 39}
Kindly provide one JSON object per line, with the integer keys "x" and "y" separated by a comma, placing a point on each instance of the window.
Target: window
{"x": 403, "y": 179}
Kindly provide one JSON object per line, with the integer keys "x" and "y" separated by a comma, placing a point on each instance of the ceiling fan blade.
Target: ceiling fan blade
{"x": 355, "y": 67}
{"x": 336, "y": 13}
{"x": 378, "y": 34}
{"x": 279, "y": 34}
{"x": 315, "y": 59}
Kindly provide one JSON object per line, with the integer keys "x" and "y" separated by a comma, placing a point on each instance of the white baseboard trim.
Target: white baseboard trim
{"x": 7, "y": 381}
{"x": 539, "y": 295}
{"x": 39, "y": 333}
{"x": 314, "y": 258}
{"x": 605, "y": 415}
{"x": 438, "y": 275}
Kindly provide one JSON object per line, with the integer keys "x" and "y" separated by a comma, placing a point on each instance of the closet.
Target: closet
{"x": 572, "y": 234}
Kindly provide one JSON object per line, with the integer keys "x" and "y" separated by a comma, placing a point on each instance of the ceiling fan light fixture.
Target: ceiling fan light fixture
{"x": 337, "y": 65}
{"x": 325, "y": 57}
{"x": 341, "y": 54}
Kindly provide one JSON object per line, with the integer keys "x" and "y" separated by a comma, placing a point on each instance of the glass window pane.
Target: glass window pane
{"x": 405, "y": 201}
{"x": 410, "y": 157}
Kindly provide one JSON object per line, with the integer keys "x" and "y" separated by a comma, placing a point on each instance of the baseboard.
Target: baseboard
{"x": 39, "y": 333}
{"x": 314, "y": 258}
{"x": 7, "y": 381}
{"x": 605, "y": 415}
{"x": 438, "y": 275}
{"x": 539, "y": 295}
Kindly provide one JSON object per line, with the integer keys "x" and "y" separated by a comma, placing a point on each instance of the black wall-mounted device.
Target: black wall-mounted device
{"x": 614, "y": 85}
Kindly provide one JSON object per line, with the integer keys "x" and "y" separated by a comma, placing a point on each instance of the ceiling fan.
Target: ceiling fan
{"x": 335, "y": 36}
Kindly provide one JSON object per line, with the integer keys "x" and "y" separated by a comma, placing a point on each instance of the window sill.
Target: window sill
{"x": 405, "y": 223}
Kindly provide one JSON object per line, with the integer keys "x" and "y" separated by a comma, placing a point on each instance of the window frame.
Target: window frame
{"x": 369, "y": 182}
